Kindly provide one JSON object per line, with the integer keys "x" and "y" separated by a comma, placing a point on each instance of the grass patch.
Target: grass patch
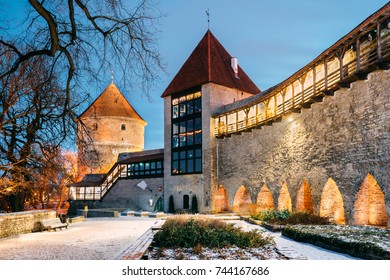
{"x": 185, "y": 232}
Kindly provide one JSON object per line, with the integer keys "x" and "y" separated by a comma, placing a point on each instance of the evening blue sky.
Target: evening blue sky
{"x": 272, "y": 40}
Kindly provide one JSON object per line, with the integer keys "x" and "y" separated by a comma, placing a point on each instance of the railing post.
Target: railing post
{"x": 275, "y": 107}
{"x": 340, "y": 56}
{"x": 379, "y": 41}
{"x": 237, "y": 121}
{"x": 292, "y": 95}
{"x": 257, "y": 114}
{"x": 357, "y": 54}
{"x": 326, "y": 73}
{"x": 247, "y": 110}
{"x": 314, "y": 80}
{"x": 302, "y": 82}
{"x": 227, "y": 124}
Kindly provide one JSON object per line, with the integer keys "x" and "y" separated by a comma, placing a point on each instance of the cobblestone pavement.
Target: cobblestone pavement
{"x": 94, "y": 239}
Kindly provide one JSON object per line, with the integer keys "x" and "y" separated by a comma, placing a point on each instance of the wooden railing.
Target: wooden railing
{"x": 118, "y": 171}
{"x": 113, "y": 175}
{"x": 364, "y": 49}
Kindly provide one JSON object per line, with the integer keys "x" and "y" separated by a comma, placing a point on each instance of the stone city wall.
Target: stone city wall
{"x": 23, "y": 222}
{"x": 344, "y": 137}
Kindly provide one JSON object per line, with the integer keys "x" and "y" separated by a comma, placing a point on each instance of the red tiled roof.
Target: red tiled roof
{"x": 209, "y": 62}
{"x": 111, "y": 102}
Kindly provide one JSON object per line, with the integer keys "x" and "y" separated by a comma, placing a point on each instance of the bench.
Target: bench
{"x": 52, "y": 224}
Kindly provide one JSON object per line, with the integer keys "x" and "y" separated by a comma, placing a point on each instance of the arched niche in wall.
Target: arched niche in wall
{"x": 171, "y": 205}
{"x": 370, "y": 205}
{"x": 194, "y": 204}
{"x": 284, "y": 199}
{"x": 304, "y": 201}
{"x": 242, "y": 201}
{"x": 220, "y": 200}
{"x": 265, "y": 200}
{"x": 332, "y": 205}
{"x": 159, "y": 207}
{"x": 186, "y": 201}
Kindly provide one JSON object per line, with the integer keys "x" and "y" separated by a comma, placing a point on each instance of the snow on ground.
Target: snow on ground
{"x": 94, "y": 239}
{"x": 107, "y": 238}
{"x": 297, "y": 250}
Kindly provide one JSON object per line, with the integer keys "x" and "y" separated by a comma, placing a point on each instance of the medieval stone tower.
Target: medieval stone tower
{"x": 109, "y": 126}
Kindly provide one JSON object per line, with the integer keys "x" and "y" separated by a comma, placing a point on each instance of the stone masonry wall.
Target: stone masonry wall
{"x": 23, "y": 222}
{"x": 344, "y": 137}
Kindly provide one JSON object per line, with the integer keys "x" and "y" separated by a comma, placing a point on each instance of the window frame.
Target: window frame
{"x": 186, "y": 132}
{"x": 145, "y": 169}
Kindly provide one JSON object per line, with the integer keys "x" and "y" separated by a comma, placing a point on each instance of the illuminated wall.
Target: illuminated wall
{"x": 304, "y": 201}
{"x": 344, "y": 137}
{"x": 265, "y": 201}
{"x": 370, "y": 206}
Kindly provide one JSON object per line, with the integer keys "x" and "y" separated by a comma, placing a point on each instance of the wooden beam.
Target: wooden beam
{"x": 306, "y": 105}
{"x": 328, "y": 92}
{"x": 361, "y": 75}
{"x": 278, "y": 119}
{"x": 344, "y": 84}
{"x": 296, "y": 110}
{"x": 318, "y": 98}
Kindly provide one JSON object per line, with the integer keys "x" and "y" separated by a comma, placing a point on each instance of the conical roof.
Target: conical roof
{"x": 210, "y": 62}
{"x": 111, "y": 102}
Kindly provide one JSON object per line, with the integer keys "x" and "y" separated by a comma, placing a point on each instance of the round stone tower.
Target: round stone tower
{"x": 109, "y": 126}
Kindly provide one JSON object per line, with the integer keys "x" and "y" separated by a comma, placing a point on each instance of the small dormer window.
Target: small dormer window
{"x": 123, "y": 126}
{"x": 95, "y": 126}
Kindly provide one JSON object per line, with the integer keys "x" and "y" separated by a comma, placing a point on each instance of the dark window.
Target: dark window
{"x": 145, "y": 169}
{"x": 186, "y": 201}
{"x": 123, "y": 126}
{"x": 187, "y": 133}
{"x": 95, "y": 126}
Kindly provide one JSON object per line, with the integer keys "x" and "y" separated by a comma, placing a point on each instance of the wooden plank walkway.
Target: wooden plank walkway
{"x": 138, "y": 248}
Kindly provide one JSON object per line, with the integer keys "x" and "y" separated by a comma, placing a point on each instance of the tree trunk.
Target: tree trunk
{"x": 16, "y": 202}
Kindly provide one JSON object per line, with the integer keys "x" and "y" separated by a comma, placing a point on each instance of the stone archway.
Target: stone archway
{"x": 332, "y": 205}
{"x": 159, "y": 207}
{"x": 284, "y": 199}
{"x": 242, "y": 201}
{"x": 265, "y": 200}
{"x": 370, "y": 205}
{"x": 220, "y": 200}
{"x": 171, "y": 205}
{"x": 304, "y": 200}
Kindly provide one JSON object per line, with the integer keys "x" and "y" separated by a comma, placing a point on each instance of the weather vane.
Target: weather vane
{"x": 208, "y": 18}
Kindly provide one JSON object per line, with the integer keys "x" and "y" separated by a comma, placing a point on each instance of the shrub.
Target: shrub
{"x": 286, "y": 218}
{"x": 268, "y": 215}
{"x": 189, "y": 233}
{"x": 305, "y": 218}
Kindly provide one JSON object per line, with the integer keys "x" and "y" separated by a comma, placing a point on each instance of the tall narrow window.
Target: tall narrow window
{"x": 187, "y": 133}
{"x": 123, "y": 126}
{"x": 186, "y": 201}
